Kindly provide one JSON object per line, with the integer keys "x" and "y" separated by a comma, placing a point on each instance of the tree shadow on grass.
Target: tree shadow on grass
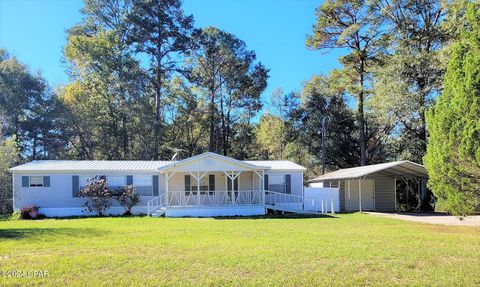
{"x": 280, "y": 216}
{"x": 25, "y": 233}
{"x": 5, "y": 217}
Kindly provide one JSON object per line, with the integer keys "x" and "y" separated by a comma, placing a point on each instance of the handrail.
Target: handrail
{"x": 293, "y": 202}
{"x": 267, "y": 198}
{"x": 155, "y": 203}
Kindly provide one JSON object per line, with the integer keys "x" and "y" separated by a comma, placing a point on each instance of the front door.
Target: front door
{"x": 368, "y": 194}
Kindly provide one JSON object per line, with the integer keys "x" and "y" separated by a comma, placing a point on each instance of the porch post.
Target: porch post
{"x": 253, "y": 182}
{"x": 166, "y": 188}
{"x": 198, "y": 188}
{"x": 232, "y": 191}
{"x": 262, "y": 186}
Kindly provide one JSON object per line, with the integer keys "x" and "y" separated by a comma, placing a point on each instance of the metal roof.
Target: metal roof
{"x": 204, "y": 155}
{"x": 277, "y": 164}
{"x": 130, "y": 165}
{"x": 90, "y": 165}
{"x": 393, "y": 169}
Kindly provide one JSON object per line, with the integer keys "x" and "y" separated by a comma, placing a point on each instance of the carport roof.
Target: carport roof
{"x": 393, "y": 169}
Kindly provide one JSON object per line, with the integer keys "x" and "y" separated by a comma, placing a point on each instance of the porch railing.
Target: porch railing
{"x": 270, "y": 199}
{"x": 156, "y": 203}
{"x": 214, "y": 198}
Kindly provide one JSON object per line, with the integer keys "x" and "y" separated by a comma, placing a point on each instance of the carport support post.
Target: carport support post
{"x": 360, "y": 194}
{"x": 395, "y": 191}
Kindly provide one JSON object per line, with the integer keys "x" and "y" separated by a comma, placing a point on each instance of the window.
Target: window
{"x": 84, "y": 180}
{"x": 36, "y": 181}
{"x": 277, "y": 183}
{"x": 334, "y": 184}
{"x": 116, "y": 181}
{"x": 203, "y": 184}
{"x": 143, "y": 184}
{"x": 207, "y": 183}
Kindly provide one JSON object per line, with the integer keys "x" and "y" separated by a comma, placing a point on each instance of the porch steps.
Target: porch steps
{"x": 159, "y": 212}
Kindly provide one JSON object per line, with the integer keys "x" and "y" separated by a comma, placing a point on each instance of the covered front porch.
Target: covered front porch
{"x": 214, "y": 188}
{"x": 211, "y": 185}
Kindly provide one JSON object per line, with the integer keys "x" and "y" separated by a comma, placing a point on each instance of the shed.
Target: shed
{"x": 372, "y": 187}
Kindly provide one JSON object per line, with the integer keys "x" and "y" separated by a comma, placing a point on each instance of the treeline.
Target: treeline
{"x": 145, "y": 81}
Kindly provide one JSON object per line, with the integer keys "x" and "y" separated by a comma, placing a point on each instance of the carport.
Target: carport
{"x": 372, "y": 187}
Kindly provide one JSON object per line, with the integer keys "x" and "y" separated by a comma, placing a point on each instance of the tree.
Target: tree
{"x": 97, "y": 194}
{"x": 321, "y": 98}
{"x": 161, "y": 31}
{"x": 9, "y": 157}
{"x": 28, "y": 108}
{"x": 411, "y": 74}
{"x": 227, "y": 74}
{"x": 453, "y": 151}
{"x": 128, "y": 198}
{"x": 269, "y": 135}
{"x": 343, "y": 24}
{"x": 108, "y": 85}
{"x": 187, "y": 115}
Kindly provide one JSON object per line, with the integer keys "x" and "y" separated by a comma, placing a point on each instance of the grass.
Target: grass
{"x": 351, "y": 249}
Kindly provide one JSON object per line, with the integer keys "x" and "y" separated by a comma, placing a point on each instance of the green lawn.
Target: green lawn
{"x": 354, "y": 249}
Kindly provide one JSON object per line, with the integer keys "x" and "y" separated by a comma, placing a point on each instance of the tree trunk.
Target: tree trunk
{"x": 223, "y": 126}
{"x": 158, "y": 95}
{"x": 361, "y": 119}
{"x": 226, "y": 137}
{"x": 125, "y": 137}
{"x": 211, "y": 144}
{"x": 34, "y": 146}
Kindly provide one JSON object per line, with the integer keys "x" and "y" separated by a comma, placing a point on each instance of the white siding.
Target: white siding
{"x": 59, "y": 194}
{"x": 296, "y": 178}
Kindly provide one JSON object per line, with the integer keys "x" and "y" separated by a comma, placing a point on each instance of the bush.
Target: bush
{"x": 15, "y": 215}
{"x": 97, "y": 194}
{"x": 128, "y": 198}
{"x": 29, "y": 212}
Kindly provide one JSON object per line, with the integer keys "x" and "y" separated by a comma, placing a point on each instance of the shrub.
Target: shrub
{"x": 128, "y": 198}
{"x": 97, "y": 194}
{"x": 29, "y": 212}
{"x": 15, "y": 215}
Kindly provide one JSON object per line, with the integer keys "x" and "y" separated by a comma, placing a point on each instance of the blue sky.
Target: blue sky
{"x": 34, "y": 32}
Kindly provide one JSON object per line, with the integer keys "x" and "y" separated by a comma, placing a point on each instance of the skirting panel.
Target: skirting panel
{"x": 214, "y": 211}
{"x": 78, "y": 211}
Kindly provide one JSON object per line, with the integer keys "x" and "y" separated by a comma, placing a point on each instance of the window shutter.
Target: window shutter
{"x": 129, "y": 179}
{"x": 25, "y": 181}
{"x": 288, "y": 184}
{"x": 46, "y": 181}
{"x": 265, "y": 180}
{"x": 211, "y": 182}
{"x": 187, "y": 183}
{"x": 75, "y": 185}
{"x": 155, "y": 185}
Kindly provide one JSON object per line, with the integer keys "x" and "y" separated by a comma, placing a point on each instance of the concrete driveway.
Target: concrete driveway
{"x": 432, "y": 218}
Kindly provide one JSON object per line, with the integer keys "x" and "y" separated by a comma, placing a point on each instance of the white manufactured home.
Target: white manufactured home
{"x": 204, "y": 185}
